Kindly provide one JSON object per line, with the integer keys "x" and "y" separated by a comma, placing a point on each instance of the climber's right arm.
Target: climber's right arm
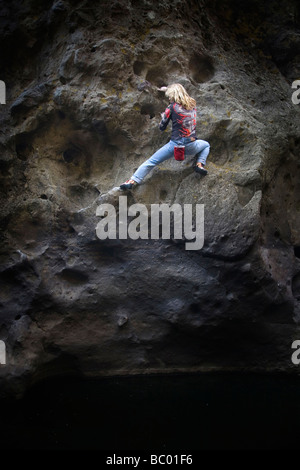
{"x": 165, "y": 118}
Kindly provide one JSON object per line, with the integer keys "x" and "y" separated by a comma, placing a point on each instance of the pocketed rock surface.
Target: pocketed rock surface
{"x": 81, "y": 114}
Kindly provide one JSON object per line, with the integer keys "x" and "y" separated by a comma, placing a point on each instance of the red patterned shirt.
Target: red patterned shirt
{"x": 183, "y": 121}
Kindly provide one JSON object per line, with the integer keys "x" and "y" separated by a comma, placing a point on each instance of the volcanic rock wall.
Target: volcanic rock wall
{"x": 82, "y": 112}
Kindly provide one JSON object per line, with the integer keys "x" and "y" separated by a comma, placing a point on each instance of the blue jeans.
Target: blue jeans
{"x": 200, "y": 148}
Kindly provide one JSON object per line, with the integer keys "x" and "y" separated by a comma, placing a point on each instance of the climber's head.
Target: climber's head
{"x": 178, "y": 94}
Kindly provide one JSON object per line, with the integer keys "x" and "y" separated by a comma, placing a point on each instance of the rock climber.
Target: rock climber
{"x": 182, "y": 112}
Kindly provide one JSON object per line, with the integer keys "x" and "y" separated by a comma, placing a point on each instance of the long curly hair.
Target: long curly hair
{"x": 178, "y": 93}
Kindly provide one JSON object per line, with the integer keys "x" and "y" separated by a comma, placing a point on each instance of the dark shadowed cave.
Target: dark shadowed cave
{"x": 81, "y": 114}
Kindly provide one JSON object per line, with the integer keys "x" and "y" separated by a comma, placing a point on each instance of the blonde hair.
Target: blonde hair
{"x": 178, "y": 93}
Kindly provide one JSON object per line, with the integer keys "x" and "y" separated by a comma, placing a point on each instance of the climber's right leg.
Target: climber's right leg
{"x": 164, "y": 153}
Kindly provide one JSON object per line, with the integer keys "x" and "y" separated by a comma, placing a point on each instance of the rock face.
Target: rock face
{"x": 82, "y": 113}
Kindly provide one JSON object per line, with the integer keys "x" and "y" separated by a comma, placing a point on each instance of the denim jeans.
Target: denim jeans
{"x": 200, "y": 148}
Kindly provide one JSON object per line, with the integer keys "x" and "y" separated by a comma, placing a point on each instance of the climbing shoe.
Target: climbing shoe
{"x": 128, "y": 184}
{"x": 200, "y": 170}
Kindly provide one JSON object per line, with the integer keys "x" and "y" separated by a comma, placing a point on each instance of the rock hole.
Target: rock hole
{"x": 70, "y": 154}
{"x": 74, "y": 276}
{"x": 296, "y": 285}
{"x": 163, "y": 194}
{"x": 20, "y": 149}
{"x": 148, "y": 108}
{"x": 4, "y": 168}
{"x": 297, "y": 251}
{"x": 100, "y": 127}
{"x": 138, "y": 67}
{"x": 201, "y": 67}
{"x": 156, "y": 76}
{"x": 194, "y": 308}
{"x": 277, "y": 234}
{"x": 23, "y": 150}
